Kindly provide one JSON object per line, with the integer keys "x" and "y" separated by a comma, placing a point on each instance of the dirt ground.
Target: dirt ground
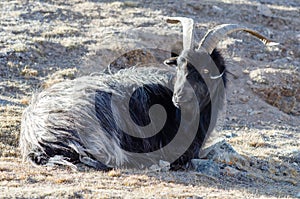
{"x": 43, "y": 42}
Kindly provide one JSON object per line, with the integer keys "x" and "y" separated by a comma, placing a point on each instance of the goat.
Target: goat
{"x": 98, "y": 120}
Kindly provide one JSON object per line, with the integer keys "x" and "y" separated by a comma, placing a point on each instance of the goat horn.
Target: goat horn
{"x": 188, "y": 30}
{"x": 212, "y": 37}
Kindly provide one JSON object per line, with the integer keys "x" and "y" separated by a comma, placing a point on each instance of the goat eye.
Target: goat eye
{"x": 182, "y": 60}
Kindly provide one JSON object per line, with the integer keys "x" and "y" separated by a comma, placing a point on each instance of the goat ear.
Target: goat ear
{"x": 171, "y": 62}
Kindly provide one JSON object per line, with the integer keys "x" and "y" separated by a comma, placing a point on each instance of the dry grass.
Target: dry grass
{"x": 57, "y": 182}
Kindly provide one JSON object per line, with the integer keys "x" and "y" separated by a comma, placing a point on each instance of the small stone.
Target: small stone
{"x": 255, "y": 112}
{"x": 164, "y": 165}
{"x": 232, "y": 118}
{"x": 196, "y": 6}
{"x": 31, "y": 180}
{"x": 295, "y": 164}
{"x": 216, "y": 8}
{"x": 291, "y": 156}
{"x": 131, "y": 3}
{"x": 231, "y": 135}
{"x": 264, "y": 10}
{"x": 194, "y": 197}
{"x": 116, "y": 4}
{"x": 154, "y": 167}
{"x": 207, "y": 167}
{"x": 246, "y": 71}
{"x": 244, "y": 98}
{"x": 259, "y": 56}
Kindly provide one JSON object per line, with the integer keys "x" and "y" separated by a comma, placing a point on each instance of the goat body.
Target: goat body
{"x": 81, "y": 121}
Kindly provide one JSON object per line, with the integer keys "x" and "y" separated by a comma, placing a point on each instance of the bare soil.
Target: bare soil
{"x": 44, "y": 42}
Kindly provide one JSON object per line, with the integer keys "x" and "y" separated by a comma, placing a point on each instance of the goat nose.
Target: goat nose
{"x": 174, "y": 97}
{"x": 175, "y": 101}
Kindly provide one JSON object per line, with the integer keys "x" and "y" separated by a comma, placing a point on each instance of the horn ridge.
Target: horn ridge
{"x": 211, "y": 39}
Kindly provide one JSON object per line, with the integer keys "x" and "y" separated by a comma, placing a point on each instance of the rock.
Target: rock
{"x": 298, "y": 195}
{"x": 260, "y": 56}
{"x": 264, "y": 10}
{"x": 291, "y": 156}
{"x": 230, "y": 171}
{"x": 138, "y": 57}
{"x": 295, "y": 164}
{"x": 255, "y": 112}
{"x": 258, "y": 76}
{"x": 194, "y": 197}
{"x": 217, "y": 9}
{"x": 131, "y": 3}
{"x": 231, "y": 135}
{"x": 246, "y": 71}
{"x": 249, "y": 83}
{"x": 278, "y": 87}
{"x": 31, "y": 180}
{"x": 233, "y": 118}
{"x": 223, "y": 152}
{"x": 161, "y": 166}
{"x": 154, "y": 167}
{"x": 164, "y": 165}
{"x": 244, "y": 98}
{"x": 207, "y": 167}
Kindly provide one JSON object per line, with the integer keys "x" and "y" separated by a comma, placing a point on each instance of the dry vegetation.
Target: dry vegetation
{"x": 44, "y": 42}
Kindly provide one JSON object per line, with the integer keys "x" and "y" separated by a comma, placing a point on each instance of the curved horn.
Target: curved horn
{"x": 188, "y": 30}
{"x": 212, "y": 37}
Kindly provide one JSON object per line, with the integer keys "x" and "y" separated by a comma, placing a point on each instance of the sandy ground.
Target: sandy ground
{"x": 43, "y": 42}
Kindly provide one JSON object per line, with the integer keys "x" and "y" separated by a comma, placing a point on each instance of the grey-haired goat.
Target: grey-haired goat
{"x": 98, "y": 121}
